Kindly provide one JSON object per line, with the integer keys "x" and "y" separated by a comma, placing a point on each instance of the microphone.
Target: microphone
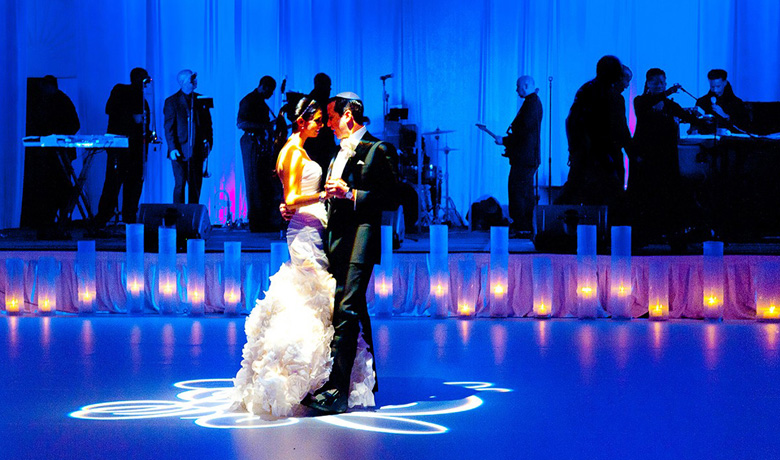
{"x": 385, "y": 77}
{"x": 714, "y": 100}
{"x": 147, "y": 80}
{"x": 284, "y": 85}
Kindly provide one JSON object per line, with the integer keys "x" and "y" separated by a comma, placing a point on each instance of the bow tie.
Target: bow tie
{"x": 349, "y": 145}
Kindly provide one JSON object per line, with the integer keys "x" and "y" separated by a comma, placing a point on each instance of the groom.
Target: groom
{"x": 360, "y": 181}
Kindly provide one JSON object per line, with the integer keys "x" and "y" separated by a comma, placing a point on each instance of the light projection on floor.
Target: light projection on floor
{"x": 207, "y": 402}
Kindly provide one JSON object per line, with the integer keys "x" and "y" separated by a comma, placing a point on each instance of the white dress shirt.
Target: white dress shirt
{"x": 346, "y": 152}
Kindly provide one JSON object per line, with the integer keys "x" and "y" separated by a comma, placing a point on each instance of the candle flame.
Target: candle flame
{"x": 439, "y": 289}
{"x": 542, "y": 309}
{"x": 195, "y": 295}
{"x": 167, "y": 288}
{"x": 232, "y": 297}
{"x": 712, "y": 300}
{"x": 586, "y": 290}
{"x": 464, "y": 309}
{"x": 135, "y": 287}
{"x": 498, "y": 289}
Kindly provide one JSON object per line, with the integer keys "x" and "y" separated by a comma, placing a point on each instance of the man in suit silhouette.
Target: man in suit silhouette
{"x": 522, "y": 144}
{"x": 361, "y": 179}
{"x": 189, "y": 135}
{"x": 128, "y": 115}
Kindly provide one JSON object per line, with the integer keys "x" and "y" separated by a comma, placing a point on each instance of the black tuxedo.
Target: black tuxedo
{"x": 188, "y": 168}
{"x": 353, "y": 242}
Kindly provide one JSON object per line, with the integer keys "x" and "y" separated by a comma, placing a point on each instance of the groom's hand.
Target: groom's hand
{"x": 336, "y": 187}
{"x": 287, "y": 213}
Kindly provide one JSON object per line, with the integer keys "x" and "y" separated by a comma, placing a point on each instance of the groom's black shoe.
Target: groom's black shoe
{"x": 329, "y": 401}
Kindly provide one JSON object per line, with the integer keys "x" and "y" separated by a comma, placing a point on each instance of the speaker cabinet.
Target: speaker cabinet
{"x": 555, "y": 226}
{"x": 191, "y": 222}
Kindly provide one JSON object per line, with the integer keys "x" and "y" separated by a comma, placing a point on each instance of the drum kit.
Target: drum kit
{"x": 431, "y": 181}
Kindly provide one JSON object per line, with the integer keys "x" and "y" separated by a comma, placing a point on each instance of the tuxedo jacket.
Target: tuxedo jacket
{"x": 354, "y": 228}
{"x": 176, "y": 112}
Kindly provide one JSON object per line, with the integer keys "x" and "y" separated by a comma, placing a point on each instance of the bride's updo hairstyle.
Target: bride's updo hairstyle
{"x": 305, "y": 110}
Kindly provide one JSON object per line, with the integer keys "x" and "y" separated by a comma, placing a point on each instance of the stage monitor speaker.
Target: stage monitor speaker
{"x": 555, "y": 226}
{"x": 486, "y": 213}
{"x": 191, "y": 221}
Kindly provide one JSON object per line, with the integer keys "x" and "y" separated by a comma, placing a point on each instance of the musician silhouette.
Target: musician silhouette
{"x": 522, "y": 144}
{"x": 128, "y": 115}
{"x": 47, "y": 188}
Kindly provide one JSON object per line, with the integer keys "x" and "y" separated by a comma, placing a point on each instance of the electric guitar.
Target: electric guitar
{"x": 495, "y": 136}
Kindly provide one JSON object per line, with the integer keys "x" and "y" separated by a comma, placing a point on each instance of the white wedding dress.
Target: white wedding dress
{"x": 287, "y": 353}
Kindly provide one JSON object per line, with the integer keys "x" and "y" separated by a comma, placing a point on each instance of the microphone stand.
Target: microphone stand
{"x": 385, "y": 104}
{"x": 144, "y": 124}
{"x": 190, "y": 145}
{"x": 549, "y": 144}
{"x": 689, "y": 94}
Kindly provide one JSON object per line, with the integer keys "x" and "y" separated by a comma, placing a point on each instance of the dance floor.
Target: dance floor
{"x": 153, "y": 387}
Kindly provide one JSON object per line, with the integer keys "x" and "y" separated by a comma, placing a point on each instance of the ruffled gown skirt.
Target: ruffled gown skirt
{"x": 289, "y": 332}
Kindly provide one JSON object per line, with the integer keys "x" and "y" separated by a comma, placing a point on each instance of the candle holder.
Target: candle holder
{"x": 196, "y": 276}
{"x": 587, "y": 272}
{"x": 167, "y": 283}
{"x": 467, "y": 288}
{"x": 279, "y": 255}
{"x": 232, "y": 277}
{"x": 543, "y": 287}
{"x": 47, "y": 275}
{"x": 768, "y": 291}
{"x": 620, "y": 299}
{"x": 712, "y": 280}
{"x": 86, "y": 259}
{"x": 14, "y": 287}
{"x": 438, "y": 267}
{"x": 658, "y": 290}
{"x": 499, "y": 271}
{"x": 134, "y": 268}
{"x": 383, "y": 276}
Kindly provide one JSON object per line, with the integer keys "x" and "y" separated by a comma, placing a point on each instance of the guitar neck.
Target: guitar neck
{"x": 488, "y": 132}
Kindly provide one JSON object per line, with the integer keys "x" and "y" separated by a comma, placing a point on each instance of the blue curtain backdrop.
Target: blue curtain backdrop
{"x": 453, "y": 64}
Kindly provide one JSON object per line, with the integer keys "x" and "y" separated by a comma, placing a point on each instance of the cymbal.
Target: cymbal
{"x": 438, "y": 131}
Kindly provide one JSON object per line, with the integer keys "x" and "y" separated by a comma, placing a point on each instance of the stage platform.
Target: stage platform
{"x": 154, "y": 387}
{"x": 468, "y": 270}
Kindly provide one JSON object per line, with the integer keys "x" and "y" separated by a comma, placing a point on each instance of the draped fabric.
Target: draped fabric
{"x": 453, "y": 64}
{"x": 468, "y": 277}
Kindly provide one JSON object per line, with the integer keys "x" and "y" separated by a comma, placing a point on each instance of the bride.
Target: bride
{"x": 287, "y": 354}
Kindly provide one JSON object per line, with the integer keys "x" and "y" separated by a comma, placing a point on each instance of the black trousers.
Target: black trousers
{"x": 187, "y": 173}
{"x": 521, "y": 197}
{"x": 125, "y": 170}
{"x": 349, "y": 315}
{"x": 263, "y": 188}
